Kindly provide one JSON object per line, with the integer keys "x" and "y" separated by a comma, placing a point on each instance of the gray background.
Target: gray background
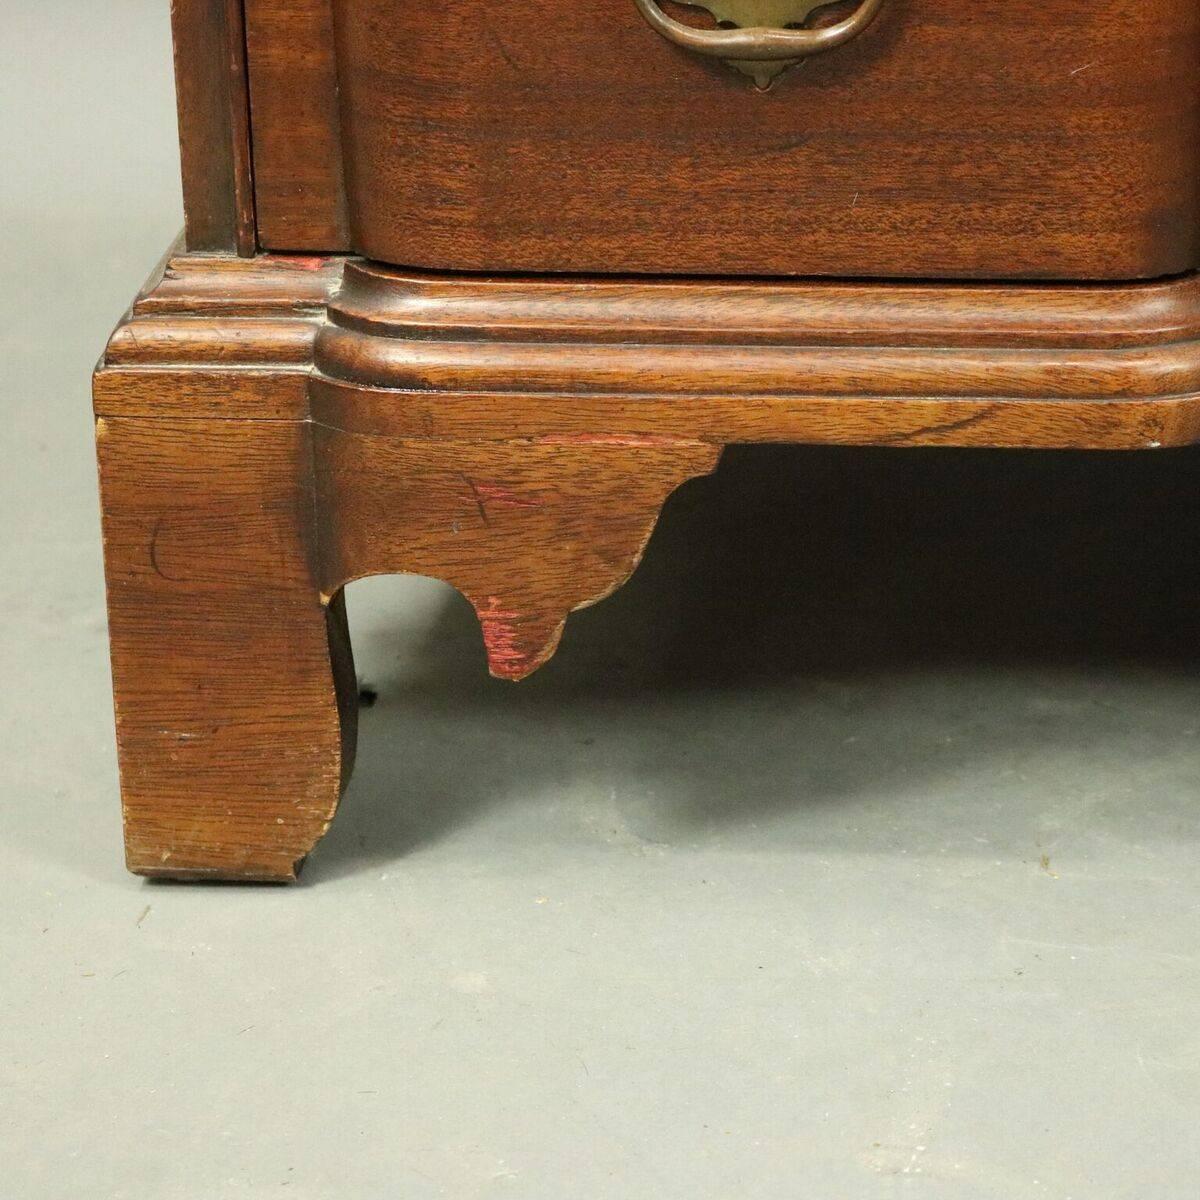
{"x": 849, "y": 852}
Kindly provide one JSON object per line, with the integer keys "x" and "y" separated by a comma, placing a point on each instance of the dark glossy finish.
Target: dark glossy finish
{"x": 992, "y": 139}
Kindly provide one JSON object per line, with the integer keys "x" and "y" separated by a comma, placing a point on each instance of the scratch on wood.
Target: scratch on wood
{"x": 494, "y": 494}
{"x": 490, "y": 493}
{"x": 154, "y": 535}
{"x": 937, "y": 430}
{"x": 503, "y": 49}
{"x": 479, "y": 504}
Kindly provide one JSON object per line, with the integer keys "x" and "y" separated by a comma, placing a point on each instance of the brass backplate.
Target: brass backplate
{"x": 761, "y": 14}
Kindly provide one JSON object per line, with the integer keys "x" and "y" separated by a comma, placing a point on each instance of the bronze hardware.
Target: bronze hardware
{"x": 765, "y": 41}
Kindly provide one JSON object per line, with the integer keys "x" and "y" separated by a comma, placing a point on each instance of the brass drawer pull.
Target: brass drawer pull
{"x": 760, "y": 37}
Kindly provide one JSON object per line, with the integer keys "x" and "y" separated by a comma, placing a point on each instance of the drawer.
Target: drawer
{"x": 1033, "y": 139}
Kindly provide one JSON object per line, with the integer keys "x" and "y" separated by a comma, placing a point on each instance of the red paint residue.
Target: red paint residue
{"x": 301, "y": 262}
{"x": 506, "y": 658}
{"x": 494, "y": 494}
{"x": 507, "y": 651}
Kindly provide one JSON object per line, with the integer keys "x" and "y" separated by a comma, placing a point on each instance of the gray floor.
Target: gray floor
{"x": 851, "y": 851}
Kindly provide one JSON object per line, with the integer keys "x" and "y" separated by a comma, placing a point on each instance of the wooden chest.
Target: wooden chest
{"x": 467, "y": 290}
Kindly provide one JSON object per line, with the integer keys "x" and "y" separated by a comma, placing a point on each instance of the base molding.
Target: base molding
{"x": 270, "y": 429}
{"x": 1096, "y": 366}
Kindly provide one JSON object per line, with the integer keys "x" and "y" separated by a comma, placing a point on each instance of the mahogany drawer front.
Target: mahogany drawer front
{"x": 1029, "y": 139}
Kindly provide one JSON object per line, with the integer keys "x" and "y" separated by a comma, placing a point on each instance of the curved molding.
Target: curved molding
{"x": 1117, "y": 366}
{"x": 662, "y": 371}
{"x": 358, "y": 346}
{"x": 201, "y": 310}
{"x": 269, "y": 285}
{"x": 391, "y": 302}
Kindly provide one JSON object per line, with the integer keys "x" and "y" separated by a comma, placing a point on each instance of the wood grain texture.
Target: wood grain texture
{"x": 299, "y": 186}
{"x": 227, "y": 667}
{"x": 268, "y": 285}
{"x": 269, "y": 430}
{"x": 1112, "y": 367}
{"x": 528, "y": 530}
{"x": 214, "y": 125}
{"x": 1003, "y": 139}
{"x": 232, "y": 675}
{"x": 218, "y": 337}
